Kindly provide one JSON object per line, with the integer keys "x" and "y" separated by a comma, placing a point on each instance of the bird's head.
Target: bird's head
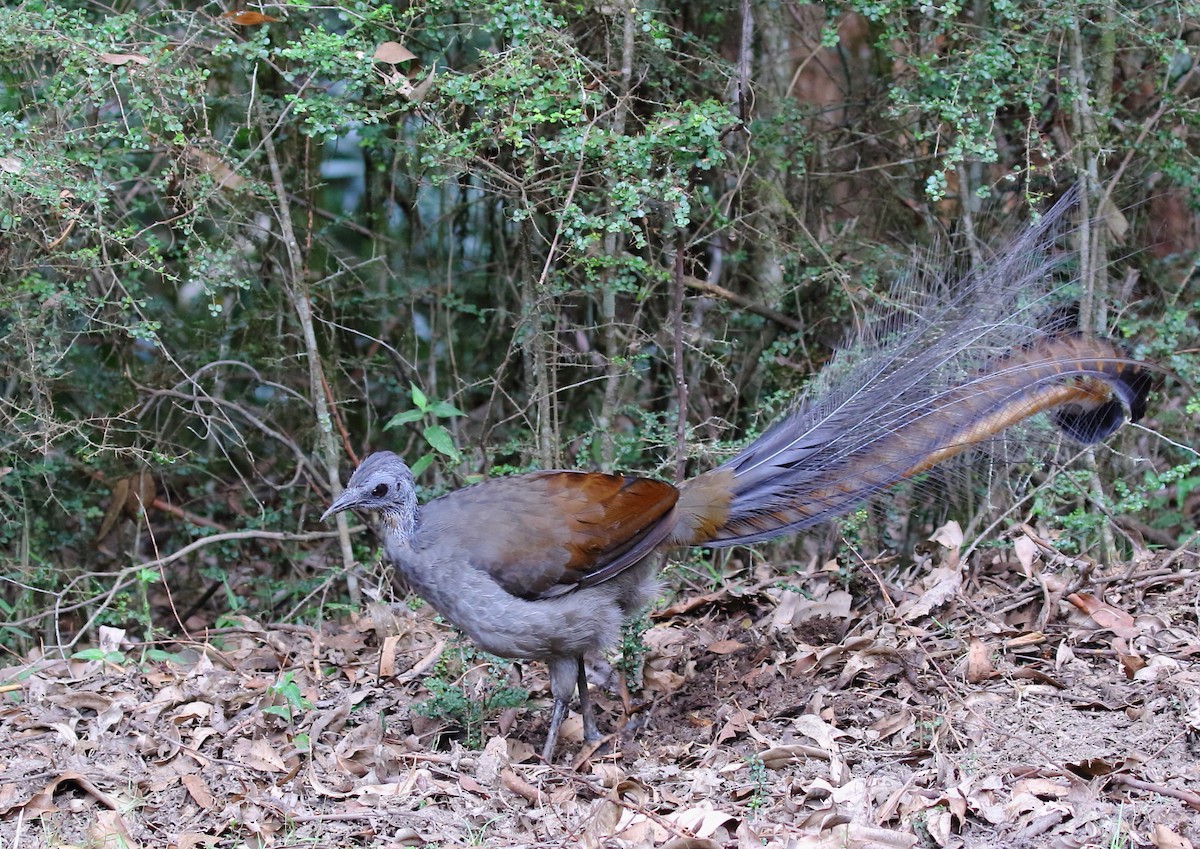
{"x": 384, "y": 483}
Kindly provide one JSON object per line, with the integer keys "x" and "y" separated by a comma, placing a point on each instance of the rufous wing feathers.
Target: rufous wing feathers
{"x": 546, "y": 533}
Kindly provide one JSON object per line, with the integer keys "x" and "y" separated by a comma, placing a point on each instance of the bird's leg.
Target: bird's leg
{"x": 564, "y": 673}
{"x": 556, "y": 718}
{"x": 590, "y": 730}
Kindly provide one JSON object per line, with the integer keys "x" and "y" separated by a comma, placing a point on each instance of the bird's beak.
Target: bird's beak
{"x": 342, "y": 502}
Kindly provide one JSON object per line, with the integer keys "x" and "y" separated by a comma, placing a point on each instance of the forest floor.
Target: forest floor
{"x": 1014, "y": 703}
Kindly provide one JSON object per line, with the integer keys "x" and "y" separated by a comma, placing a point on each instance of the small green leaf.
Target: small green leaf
{"x": 97, "y": 654}
{"x": 445, "y": 410}
{"x": 403, "y": 418}
{"x": 439, "y": 440}
{"x": 419, "y": 397}
{"x": 421, "y": 465}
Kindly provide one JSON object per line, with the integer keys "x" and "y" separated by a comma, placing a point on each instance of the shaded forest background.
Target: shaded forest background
{"x": 241, "y": 247}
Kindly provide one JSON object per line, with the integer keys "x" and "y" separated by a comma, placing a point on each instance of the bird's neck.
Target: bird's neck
{"x": 398, "y": 524}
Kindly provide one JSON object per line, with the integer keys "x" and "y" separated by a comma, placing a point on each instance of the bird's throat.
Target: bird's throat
{"x": 398, "y": 525}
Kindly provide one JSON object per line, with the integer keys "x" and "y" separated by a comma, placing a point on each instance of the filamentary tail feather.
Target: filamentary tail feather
{"x": 953, "y": 372}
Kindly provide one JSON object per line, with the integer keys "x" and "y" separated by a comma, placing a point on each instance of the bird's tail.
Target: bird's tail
{"x": 923, "y": 390}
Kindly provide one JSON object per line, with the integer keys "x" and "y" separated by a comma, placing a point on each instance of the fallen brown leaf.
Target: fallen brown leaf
{"x": 1105, "y": 615}
{"x": 726, "y": 646}
{"x": 198, "y": 790}
{"x": 979, "y": 661}
{"x": 393, "y": 53}
{"x": 1164, "y": 838}
{"x": 108, "y": 829}
{"x": 123, "y": 59}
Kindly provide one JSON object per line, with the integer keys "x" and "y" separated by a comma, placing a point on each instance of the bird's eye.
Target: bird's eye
{"x": 380, "y": 491}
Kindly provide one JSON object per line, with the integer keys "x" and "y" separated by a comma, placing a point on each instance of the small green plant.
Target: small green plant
{"x": 468, "y": 700}
{"x": 927, "y": 731}
{"x": 853, "y": 527}
{"x": 114, "y": 657}
{"x": 1117, "y": 838}
{"x": 760, "y": 782}
{"x": 290, "y": 701}
{"x": 477, "y": 836}
{"x": 153, "y": 655}
{"x": 633, "y": 646}
{"x": 698, "y": 566}
{"x": 436, "y": 436}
